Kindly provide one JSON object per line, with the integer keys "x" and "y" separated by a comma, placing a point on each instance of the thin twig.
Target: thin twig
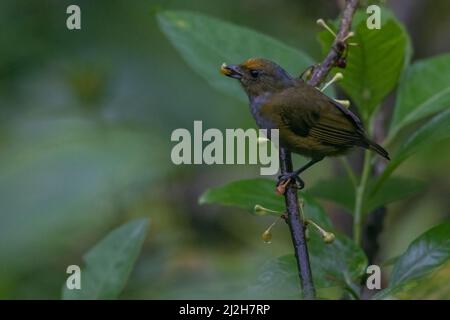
{"x": 338, "y": 47}
{"x": 296, "y": 223}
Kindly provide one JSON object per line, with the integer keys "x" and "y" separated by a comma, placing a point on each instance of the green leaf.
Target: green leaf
{"x": 390, "y": 262}
{"x": 246, "y": 194}
{"x": 427, "y": 252}
{"x": 431, "y": 287}
{"x": 375, "y": 65}
{"x": 205, "y": 43}
{"x": 313, "y": 210}
{"x": 395, "y": 189}
{"x": 341, "y": 191}
{"x": 424, "y": 90}
{"x": 435, "y": 130}
{"x": 278, "y": 279}
{"x": 340, "y": 264}
{"x": 109, "y": 263}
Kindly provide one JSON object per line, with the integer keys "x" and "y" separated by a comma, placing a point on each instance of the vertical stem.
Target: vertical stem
{"x": 359, "y": 199}
{"x": 373, "y": 226}
{"x": 297, "y": 229}
{"x": 296, "y": 223}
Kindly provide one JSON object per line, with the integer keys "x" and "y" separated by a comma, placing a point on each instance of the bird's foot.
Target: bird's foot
{"x": 286, "y": 178}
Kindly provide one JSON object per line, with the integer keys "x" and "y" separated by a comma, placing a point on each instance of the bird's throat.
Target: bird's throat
{"x": 256, "y": 103}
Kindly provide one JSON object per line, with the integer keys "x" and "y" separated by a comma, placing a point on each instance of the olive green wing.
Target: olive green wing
{"x": 314, "y": 115}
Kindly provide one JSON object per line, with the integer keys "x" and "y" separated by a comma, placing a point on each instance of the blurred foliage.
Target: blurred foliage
{"x": 109, "y": 263}
{"x": 340, "y": 191}
{"x": 86, "y": 118}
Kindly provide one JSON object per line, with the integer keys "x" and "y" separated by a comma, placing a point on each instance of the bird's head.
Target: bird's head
{"x": 259, "y": 76}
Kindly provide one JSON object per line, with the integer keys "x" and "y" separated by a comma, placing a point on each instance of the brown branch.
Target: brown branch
{"x": 338, "y": 47}
{"x": 295, "y": 220}
{"x": 296, "y": 226}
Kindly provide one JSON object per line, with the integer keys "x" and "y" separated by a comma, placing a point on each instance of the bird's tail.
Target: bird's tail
{"x": 378, "y": 149}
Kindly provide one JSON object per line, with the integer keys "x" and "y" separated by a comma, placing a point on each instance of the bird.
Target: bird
{"x": 309, "y": 122}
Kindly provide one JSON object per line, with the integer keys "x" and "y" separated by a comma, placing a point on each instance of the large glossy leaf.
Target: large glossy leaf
{"x": 375, "y": 65}
{"x": 109, "y": 263}
{"x": 427, "y": 252}
{"x": 424, "y": 90}
{"x": 341, "y": 191}
{"x": 435, "y": 130}
{"x": 246, "y": 194}
{"x": 206, "y": 42}
{"x": 340, "y": 264}
{"x": 435, "y": 286}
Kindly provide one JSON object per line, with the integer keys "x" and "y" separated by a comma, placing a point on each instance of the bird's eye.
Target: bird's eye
{"x": 254, "y": 73}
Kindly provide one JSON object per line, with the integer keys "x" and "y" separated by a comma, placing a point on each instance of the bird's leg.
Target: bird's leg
{"x": 285, "y": 179}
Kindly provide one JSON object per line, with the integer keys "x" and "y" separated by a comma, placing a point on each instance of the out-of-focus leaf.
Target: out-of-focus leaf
{"x": 394, "y": 189}
{"x": 390, "y": 262}
{"x": 340, "y": 264}
{"x": 246, "y": 194}
{"x": 206, "y": 42}
{"x": 424, "y": 90}
{"x": 340, "y": 191}
{"x": 427, "y": 252}
{"x": 435, "y": 130}
{"x": 109, "y": 263}
{"x": 313, "y": 210}
{"x": 375, "y": 64}
{"x": 435, "y": 286}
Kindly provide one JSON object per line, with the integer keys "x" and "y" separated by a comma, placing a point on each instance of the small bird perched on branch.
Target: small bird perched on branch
{"x": 309, "y": 122}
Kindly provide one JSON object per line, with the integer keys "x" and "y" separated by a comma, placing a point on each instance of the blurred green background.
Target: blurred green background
{"x": 86, "y": 118}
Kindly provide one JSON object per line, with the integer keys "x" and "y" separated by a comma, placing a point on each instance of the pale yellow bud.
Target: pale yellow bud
{"x": 328, "y": 237}
{"x": 267, "y": 236}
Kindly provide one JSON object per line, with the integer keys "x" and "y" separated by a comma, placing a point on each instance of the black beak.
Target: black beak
{"x": 232, "y": 71}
